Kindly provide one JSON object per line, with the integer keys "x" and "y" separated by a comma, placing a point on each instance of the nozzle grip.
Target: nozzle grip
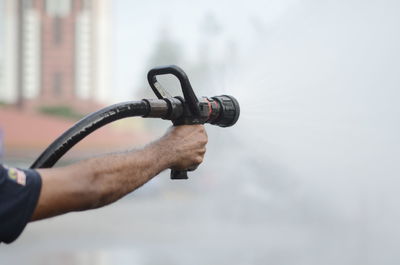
{"x": 187, "y": 90}
{"x": 179, "y": 174}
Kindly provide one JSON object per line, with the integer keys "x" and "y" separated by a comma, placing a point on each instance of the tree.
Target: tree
{"x": 166, "y": 52}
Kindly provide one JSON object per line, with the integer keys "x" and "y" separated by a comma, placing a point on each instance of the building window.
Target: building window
{"x": 61, "y": 8}
{"x": 57, "y": 30}
{"x": 27, "y": 4}
{"x": 86, "y": 4}
{"x": 57, "y": 84}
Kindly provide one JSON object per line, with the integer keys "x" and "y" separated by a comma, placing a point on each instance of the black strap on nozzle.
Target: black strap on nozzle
{"x": 191, "y": 112}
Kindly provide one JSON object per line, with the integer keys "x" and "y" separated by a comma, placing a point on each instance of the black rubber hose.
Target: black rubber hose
{"x": 86, "y": 126}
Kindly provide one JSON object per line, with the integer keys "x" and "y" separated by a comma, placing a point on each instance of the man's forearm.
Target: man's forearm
{"x": 116, "y": 175}
{"x": 98, "y": 181}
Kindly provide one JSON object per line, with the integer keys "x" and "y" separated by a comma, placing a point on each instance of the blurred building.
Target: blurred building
{"x": 56, "y": 52}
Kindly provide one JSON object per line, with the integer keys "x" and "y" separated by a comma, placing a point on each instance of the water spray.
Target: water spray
{"x": 221, "y": 110}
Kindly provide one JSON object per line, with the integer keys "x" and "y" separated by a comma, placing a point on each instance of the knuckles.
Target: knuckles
{"x": 198, "y": 160}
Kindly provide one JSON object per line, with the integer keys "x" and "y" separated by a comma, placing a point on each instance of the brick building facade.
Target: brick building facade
{"x": 56, "y": 52}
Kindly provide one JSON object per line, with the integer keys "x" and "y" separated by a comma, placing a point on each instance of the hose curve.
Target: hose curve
{"x": 86, "y": 126}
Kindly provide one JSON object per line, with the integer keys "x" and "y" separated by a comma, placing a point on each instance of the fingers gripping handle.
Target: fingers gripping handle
{"x": 180, "y": 174}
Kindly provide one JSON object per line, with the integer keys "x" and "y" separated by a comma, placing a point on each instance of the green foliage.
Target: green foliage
{"x": 61, "y": 111}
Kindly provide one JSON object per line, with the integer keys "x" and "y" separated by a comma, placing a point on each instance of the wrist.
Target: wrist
{"x": 161, "y": 154}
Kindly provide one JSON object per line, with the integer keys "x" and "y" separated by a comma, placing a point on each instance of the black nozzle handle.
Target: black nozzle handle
{"x": 187, "y": 90}
{"x": 179, "y": 174}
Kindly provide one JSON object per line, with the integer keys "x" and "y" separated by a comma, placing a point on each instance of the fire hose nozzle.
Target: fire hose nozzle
{"x": 223, "y": 111}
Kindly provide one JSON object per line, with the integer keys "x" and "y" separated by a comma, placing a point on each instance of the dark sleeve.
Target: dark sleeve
{"x": 19, "y": 194}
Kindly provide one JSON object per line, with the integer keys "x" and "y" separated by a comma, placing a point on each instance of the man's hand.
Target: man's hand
{"x": 184, "y": 145}
{"x": 102, "y": 180}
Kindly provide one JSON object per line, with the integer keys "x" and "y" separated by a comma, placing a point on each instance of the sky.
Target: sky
{"x": 138, "y": 25}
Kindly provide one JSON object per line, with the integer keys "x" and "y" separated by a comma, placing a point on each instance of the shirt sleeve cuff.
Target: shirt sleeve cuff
{"x": 33, "y": 184}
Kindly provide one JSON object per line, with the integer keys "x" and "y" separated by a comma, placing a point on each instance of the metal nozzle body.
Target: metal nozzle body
{"x": 222, "y": 110}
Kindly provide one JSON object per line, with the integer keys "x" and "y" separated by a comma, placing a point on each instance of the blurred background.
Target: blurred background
{"x": 309, "y": 175}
